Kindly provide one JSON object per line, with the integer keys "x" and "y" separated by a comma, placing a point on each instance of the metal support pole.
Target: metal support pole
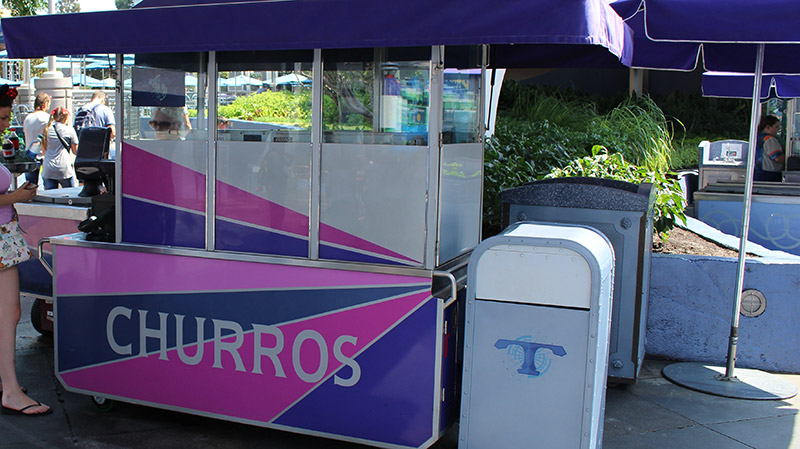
{"x": 748, "y": 197}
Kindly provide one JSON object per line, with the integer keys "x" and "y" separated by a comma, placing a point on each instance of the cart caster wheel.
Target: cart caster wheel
{"x": 102, "y": 404}
{"x": 36, "y": 318}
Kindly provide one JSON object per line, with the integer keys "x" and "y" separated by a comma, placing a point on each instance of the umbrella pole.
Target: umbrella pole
{"x": 748, "y": 198}
{"x": 749, "y": 384}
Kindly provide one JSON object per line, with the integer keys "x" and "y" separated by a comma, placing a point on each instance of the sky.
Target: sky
{"x": 97, "y": 5}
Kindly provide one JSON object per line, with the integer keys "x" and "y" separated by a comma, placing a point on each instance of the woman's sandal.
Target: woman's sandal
{"x": 13, "y": 411}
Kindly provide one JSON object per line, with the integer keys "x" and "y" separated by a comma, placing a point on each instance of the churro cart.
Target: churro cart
{"x": 292, "y": 257}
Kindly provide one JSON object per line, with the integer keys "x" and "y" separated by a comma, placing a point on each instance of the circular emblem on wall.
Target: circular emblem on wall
{"x": 753, "y": 303}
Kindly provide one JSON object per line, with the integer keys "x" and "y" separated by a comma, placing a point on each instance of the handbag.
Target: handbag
{"x": 61, "y": 139}
{"x": 13, "y": 248}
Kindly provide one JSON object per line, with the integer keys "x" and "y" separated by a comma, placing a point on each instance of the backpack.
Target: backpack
{"x": 84, "y": 118}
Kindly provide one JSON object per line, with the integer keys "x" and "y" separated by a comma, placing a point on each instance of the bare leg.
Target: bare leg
{"x": 13, "y": 397}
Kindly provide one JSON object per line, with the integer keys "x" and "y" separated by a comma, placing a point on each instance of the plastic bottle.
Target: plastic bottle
{"x": 14, "y": 138}
{"x": 8, "y": 150}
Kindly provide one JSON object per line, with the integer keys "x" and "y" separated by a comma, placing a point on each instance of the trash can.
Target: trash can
{"x": 688, "y": 180}
{"x": 536, "y": 338}
{"x": 624, "y": 213}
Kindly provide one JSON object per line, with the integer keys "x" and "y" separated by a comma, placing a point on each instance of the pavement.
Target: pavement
{"x": 652, "y": 413}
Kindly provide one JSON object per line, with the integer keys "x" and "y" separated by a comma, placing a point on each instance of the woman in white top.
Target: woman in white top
{"x": 60, "y": 146}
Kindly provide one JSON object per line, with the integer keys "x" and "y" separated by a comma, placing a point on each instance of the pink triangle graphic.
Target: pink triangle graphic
{"x": 245, "y": 394}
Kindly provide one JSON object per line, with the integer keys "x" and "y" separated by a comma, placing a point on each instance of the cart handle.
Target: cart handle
{"x": 453, "y": 287}
{"x": 41, "y": 259}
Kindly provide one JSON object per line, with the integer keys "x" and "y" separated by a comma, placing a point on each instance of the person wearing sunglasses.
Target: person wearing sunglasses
{"x": 169, "y": 123}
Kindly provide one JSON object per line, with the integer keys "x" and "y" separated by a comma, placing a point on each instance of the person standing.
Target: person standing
{"x": 12, "y": 251}
{"x": 34, "y": 127}
{"x": 770, "y": 156}
{"x": 101, "y": 114}
{"x": 60, "y": 147}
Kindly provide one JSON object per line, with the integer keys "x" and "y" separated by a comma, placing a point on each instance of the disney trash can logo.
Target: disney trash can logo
{"x": 532, "y": 360}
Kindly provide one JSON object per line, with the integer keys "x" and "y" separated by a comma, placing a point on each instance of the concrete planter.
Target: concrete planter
{"x": 690, "y": 307}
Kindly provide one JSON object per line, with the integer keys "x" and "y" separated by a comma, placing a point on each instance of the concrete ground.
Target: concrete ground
{"x": 653, "y": 413}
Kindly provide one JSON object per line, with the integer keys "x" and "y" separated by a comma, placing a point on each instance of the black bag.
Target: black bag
{"x": 101, "y": 225}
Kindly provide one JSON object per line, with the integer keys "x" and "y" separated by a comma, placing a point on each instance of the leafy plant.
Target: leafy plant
{"x": 639, "y": 130}
{"x": 24, "y": 7}
{"x": 543, "y": 104}
{"x": 669, "y": 204}
{"x": 520, "y": 152}
{"x": 704, "y": 116}
{"x": 539, "y": 130}
{"x": 281, "y": 107}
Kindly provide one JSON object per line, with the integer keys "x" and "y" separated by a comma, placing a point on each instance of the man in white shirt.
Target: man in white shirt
{"x": 33, "y": 126}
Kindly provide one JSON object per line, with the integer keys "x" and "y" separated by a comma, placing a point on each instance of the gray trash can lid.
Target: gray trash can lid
{"x": 585, "y": 193}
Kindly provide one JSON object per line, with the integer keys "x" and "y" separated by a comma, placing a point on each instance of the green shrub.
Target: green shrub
{"x": 521, "y": 152}
{"x": 638, "y": 129}
{"x": 539, "y": 104}
{"x": 685, "y": 153}
{"x": 669, "y": 204}
{"x": 540, "y": 131}
{"x": 705, "y": 116}
{"x": 280, "y": 107}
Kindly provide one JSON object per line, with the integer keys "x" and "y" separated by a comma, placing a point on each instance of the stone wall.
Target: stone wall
{"x": 691, "y": 303}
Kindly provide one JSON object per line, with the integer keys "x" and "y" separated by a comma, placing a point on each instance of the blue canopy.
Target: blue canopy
{"x": 552, "y": 25}
{"x": 239, "y": 80}
{"x": 740, "y": 85}
{"x": 291, "y": 78}
{"x": 61, "y": 63}
{"x": 86, "y": 80}
{"x": 720, "y": 34}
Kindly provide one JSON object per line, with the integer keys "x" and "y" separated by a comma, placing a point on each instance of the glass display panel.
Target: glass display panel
{"x": 261, "y": 98}
{"x": 460, "y": 199}
{"x": 165, "y": 97}
{"x": 461, "y": 102}
{"x": 263, "y": 153}
{"x": 165, "y": 150}
{"x": 796, "y": 137}
{"x": 778, "y": 107}
{"x": 375, "y": 101}
{"x": 373, "y": 202}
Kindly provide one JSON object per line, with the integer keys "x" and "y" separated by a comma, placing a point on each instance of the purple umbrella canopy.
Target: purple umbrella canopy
{"x": 533, "y": 33}
{"x": 719, "y": 34}
{"x": 746, "y": 36}
{"x": 740, "y": 85}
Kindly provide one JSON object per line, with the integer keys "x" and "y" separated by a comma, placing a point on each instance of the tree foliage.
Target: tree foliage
{"x": 68, "y": 6}
{"x": 24, "y": 7}
{"x": 123, "y": 4}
